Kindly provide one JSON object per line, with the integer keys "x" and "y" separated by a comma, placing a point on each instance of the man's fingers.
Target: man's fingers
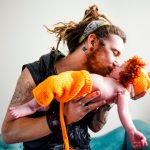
{"x": 93, "y": 106}
{"x": 90, "y": 97}
{"x": 77, "y": 99}
{"x": 88, "y": 103}
{"x": 87, "y": 98}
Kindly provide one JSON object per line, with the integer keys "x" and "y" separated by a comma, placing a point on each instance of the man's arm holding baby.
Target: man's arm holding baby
{"x": 137, "y": 139}
{"x": 25, "y": 128}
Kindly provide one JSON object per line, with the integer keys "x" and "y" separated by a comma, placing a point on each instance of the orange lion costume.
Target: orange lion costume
{"x": 135, "y": 74}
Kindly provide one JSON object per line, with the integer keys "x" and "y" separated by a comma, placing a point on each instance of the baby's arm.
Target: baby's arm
{"x": 137, "y": 139}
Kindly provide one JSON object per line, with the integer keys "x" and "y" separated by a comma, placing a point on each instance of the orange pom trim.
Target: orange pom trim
{"x": 132, "y": 70}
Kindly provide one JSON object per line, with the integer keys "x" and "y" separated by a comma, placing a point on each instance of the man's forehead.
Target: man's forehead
{"x": 115, "y": 42}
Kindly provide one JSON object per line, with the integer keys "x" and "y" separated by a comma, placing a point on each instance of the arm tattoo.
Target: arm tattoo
{"x": 23, "y": 91}
{"x": 100, "y": 117}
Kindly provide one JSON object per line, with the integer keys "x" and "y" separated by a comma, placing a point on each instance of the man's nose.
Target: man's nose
{"x": 117, "y": 63}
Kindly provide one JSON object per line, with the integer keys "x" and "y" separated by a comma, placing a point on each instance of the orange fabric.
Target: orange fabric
{"x": 63, "y": 87}
{"x": 134, "y": 74}
{"x": 141, "y": 83}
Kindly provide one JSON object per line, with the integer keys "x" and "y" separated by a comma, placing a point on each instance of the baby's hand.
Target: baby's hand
{"x": 137, "y": 139}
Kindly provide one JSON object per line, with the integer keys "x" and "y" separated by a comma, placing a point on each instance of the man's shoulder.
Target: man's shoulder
{"x": 53, "y": 56}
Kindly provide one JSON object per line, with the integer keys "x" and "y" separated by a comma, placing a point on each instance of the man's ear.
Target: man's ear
{"x": 92, "y": 42}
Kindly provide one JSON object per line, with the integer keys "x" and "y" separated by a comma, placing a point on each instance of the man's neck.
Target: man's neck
{"x": 73, "y": 61}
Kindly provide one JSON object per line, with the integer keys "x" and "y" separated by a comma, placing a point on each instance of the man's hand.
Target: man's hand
{"x": 76, "y": 109}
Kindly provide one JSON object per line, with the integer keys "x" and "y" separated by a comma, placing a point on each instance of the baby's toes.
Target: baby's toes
{"x": 11, "y": 108}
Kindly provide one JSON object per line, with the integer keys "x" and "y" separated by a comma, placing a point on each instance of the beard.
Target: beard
{"x": 97, "y": 66}
{"x": 103, "y": 70}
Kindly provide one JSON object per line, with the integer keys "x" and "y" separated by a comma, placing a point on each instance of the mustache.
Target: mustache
{"x": 105, "y": 71}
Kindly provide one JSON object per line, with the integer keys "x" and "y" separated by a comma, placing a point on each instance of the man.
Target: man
{"x": 95, "y": 45}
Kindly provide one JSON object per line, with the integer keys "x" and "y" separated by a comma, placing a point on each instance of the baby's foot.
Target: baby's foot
{"x": 20, "y": 111}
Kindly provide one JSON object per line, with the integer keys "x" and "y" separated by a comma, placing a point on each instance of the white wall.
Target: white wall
{"x": 23, "y": 39}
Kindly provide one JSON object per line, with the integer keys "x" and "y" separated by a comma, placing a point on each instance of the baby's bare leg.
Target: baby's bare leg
{"x": 25, "y": 109}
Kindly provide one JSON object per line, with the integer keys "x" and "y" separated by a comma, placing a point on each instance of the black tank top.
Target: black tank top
{"x": 77, "y": 132}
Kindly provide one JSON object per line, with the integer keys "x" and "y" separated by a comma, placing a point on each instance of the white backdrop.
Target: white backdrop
{"x": 23, "y": 39}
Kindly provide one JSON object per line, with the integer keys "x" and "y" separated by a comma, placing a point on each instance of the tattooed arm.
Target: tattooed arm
{"x": 23, "y": 129}
{"x": 99, "y": 118}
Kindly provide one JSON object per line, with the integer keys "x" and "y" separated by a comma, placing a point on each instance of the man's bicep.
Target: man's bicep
{"x": 26, "y": 129}
{"x": 24, "y": 87}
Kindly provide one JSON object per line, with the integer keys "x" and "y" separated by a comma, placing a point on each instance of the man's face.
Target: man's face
{"x": 103, "y": 59}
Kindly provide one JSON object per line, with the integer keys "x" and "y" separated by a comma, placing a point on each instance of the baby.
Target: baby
{"x": 123, "y": 83}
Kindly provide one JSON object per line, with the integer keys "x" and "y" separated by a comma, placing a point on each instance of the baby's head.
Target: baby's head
{"x": 135, "y": 75}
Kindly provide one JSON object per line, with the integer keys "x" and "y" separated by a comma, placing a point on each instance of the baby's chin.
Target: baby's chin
{"x": 113, "y": 75}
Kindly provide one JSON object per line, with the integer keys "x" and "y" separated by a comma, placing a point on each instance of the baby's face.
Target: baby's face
{"x": 116, "y": 71}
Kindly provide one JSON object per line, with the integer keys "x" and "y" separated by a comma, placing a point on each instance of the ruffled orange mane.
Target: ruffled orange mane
{"x": 135, "y": 64}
